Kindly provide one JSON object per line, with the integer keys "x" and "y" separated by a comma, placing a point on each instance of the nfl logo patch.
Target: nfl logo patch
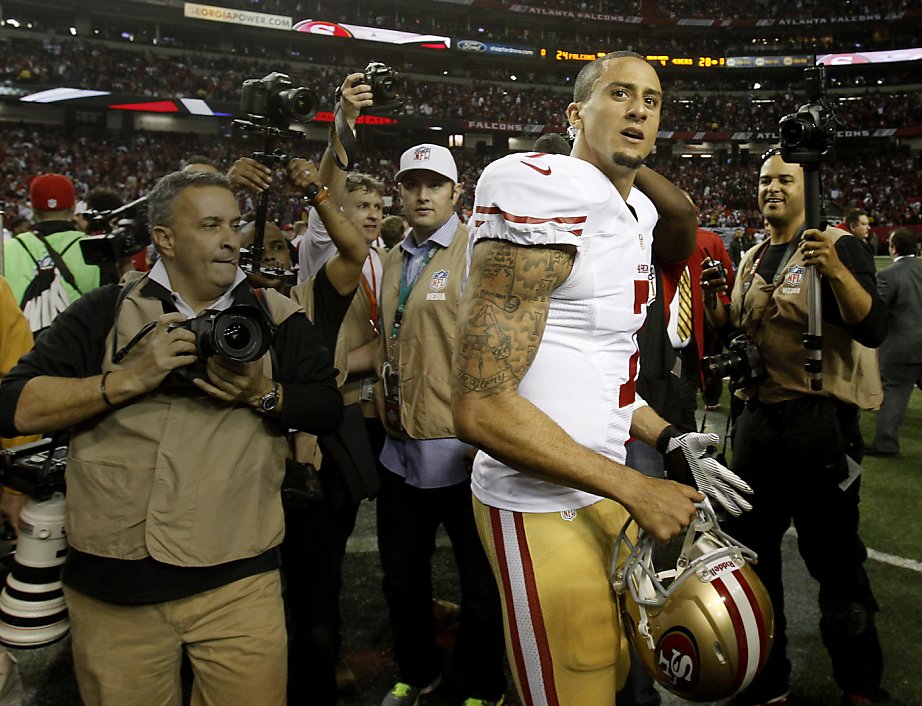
{"x": 439, "y": 280}
{"x": 422, "y": 153}
{"x": 794, "y": 276}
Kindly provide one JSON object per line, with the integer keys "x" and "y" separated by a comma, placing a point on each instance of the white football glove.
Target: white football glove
{"x": 686, "y": 454}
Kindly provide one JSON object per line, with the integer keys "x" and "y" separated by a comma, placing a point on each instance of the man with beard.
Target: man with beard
{"x": 797, "y": 447}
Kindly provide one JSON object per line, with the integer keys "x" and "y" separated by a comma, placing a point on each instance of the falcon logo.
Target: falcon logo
{"x": 546, "y": 171}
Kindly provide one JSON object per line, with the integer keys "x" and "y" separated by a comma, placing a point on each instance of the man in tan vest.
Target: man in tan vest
{"x": 427, "y": 481}
{"x": 798, "y": 448}
{"x": 174, "y": 512}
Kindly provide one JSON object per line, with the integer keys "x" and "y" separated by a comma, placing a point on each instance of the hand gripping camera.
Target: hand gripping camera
{"x": 274, "y": 100}
{"x": 385, "y": 88}
{"x": 242, "y": 333}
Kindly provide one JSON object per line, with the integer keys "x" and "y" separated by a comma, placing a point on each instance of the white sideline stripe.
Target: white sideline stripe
{"x": 884, "y": 558}
{"x": 901, "y": 562}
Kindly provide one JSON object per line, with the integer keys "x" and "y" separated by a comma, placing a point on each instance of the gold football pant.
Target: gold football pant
{"x": 563, "y": 635}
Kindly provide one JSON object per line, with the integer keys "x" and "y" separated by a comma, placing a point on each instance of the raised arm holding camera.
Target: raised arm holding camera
{"x": 797, "y": 446}
{"x": 174, "y": 512}
{"x": 344, "y": 220}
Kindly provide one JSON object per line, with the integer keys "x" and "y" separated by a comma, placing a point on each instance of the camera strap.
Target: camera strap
{"x": 776, "y": 277}
{"x": 346, "y": 137}
{"x": 119, "y": 355}
{"x": 260, "y": 294}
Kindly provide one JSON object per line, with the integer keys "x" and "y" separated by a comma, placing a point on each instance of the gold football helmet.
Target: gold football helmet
{"x": 703, "y": 627}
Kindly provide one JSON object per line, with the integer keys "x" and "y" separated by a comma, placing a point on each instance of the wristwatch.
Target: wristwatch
{"x": 269, "y": 401}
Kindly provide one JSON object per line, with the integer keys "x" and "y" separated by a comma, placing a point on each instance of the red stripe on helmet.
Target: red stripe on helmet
{"x": 742, "y": 644}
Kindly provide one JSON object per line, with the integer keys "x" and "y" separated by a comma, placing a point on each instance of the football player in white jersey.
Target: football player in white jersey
{"x": 545, "y": 369}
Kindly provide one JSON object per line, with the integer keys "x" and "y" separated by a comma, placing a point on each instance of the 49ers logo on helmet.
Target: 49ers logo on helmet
{"x": 677, "y": 657}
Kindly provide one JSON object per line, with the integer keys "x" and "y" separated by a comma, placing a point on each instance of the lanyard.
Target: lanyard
{"x": 406, "y": 287}
{"x": 776, "y": 278}
{"x": 372, "y": 293}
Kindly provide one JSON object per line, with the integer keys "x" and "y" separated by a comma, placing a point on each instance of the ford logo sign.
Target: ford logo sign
{"x": 471, "y": 45}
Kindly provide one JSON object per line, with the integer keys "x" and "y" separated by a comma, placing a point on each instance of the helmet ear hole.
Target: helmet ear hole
{"x": 702, "y": 627}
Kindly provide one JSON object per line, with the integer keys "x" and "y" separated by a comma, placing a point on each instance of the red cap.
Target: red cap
{"x": 52, "y": 192}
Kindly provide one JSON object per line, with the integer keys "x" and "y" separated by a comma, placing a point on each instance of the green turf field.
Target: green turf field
{"x": 891, "y": 523}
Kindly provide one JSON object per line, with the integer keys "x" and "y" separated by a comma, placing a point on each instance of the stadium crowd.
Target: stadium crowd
{"x": 550, "y": 34}
{"x": 91, "y": 64}
{"x": 637, "y": 8}
{"x": 888, "y": 186}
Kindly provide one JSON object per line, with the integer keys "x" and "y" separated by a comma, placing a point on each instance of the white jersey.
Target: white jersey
{"x": 584, "y": 373}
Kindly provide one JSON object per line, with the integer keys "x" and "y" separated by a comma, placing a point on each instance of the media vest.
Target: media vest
{"x": 776, "y": 318}
{"x": 424, "y": 346}
{"x": 175, "y": 474}
{"x": 359, "y": 330}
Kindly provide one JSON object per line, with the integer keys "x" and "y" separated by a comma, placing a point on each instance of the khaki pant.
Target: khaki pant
{"x": 234, "y": 635}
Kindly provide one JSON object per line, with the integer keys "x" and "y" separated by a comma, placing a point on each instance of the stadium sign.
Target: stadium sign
{"x": 576, "y": 14}
{"x": 530, "y": 128}
{"x": 213, "y": 13}
{"x": 476, "y": 46}
{"x": 372, "y": 34}
{"x": 870, "y": 57}
{"x": 767, "y": 62}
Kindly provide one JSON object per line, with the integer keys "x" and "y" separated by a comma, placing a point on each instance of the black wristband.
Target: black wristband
{"x": 662, "y": 441}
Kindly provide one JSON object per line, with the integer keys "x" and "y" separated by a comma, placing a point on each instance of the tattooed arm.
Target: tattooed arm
{"x": 502, "y": 320}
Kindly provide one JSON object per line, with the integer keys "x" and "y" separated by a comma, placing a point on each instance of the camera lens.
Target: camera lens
{"x": 237, "y": 336}
{"x": 793, "y": 132}
{"x": 241, "y": 335}
{"x": 717, "y": 367}
{"x": 387, "y": 89}
{"x": 298, "y": 105}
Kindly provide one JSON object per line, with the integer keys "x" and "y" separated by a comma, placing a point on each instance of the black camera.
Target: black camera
{"x": 385, "y": 87}
{"x": 742, "y": 363}
{"x": 242, "y": 333}
{"x": 808, "y": 134}
{"x": 274, "y": 100}
{"x": 710, "y": 264}
{"x": 116, "y": 234}
{"x": 35, "y": 469}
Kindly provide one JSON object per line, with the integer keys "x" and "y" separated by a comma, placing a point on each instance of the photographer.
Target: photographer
{"x": 797, "y": 447}
{"x": 174, "y": 512}
{"x": 345, "y": 218}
